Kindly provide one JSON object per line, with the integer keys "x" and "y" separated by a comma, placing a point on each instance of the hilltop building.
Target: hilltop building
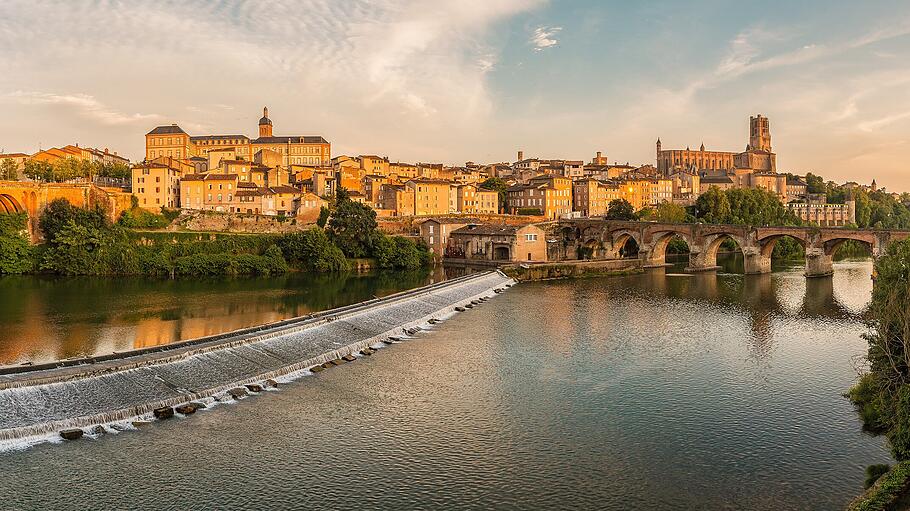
{"x": 757, "y": 157}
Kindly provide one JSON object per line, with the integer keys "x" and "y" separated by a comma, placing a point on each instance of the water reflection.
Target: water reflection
{"x": 44, "y": 318}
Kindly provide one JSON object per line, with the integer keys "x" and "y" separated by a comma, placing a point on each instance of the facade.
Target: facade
{"x": 431, "y": 196}
{"x": 300, "y": 150}
{"x": 497, "y": 242}
{"x": 157, "y": 185}
{"x": 471, "y": 199}
{"x": 758, "y": 155}
{"x": 824, "y": 215}
{"x": 435, "y": 232}
{"x": 550, "y": 195}
{"x": 398, "y": 200}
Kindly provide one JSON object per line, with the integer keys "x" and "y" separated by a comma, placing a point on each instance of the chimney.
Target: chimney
{"x": 521, "y": 155}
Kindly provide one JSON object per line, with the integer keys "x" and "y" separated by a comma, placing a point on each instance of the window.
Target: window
{"x": 530, "y": 237}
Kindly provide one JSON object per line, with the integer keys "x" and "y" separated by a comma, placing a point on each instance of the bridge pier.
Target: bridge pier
{"x": 818, "y": 263}
{"x": 754, "y": 262}
{"x": 701, "y": 260}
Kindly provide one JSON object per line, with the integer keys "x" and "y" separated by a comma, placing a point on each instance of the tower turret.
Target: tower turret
{"x": 759, "y": 133}
{"x": 265, "y": 124}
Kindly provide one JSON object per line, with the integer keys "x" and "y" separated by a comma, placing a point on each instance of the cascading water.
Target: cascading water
{"x": 41, "y": 401}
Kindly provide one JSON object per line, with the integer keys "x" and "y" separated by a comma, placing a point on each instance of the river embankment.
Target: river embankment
{"x": 79, "y": 395}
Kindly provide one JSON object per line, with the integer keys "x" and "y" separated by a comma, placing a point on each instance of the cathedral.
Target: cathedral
{"x": 757, "y": 157}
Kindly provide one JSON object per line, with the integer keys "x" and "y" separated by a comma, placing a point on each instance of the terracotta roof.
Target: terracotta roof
{"x": 284, "y": 189}
{"x": 290, "y": 140}
{"x": 221, "y": 177}
{"x": 489, "y": 229}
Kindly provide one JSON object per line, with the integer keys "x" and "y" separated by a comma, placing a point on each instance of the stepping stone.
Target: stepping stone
{"x": 162, "y": 413}
{"x": 349, "y": 357}
{"x": 72, "y": 434}
{"x": 253, "y": 387}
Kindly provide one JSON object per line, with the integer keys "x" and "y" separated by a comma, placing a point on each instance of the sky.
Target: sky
{"x": 470, "y": 80}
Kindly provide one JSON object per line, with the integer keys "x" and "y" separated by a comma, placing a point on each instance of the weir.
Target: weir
{"x": 43, "y": 400}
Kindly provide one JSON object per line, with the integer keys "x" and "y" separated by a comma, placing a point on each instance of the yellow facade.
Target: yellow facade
{"x": 431, "y": 196}
{"x": 156, "y": 185}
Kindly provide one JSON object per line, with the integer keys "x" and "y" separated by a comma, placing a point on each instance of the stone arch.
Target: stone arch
{"x": 661, "y": 240}
{"x": 9, "y": 204}
{"x": 620, "y": 238}
{"x": 593, "y": 248}
{"x": 831, "y": 245}
{"x": 501, "y": 253}
{"x": 768, "y": 243}
{"x": 706, "y": 259}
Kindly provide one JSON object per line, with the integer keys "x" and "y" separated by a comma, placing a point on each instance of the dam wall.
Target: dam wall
{"x": 44, "y": 400}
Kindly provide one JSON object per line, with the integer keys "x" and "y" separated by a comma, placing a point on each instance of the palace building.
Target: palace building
{"x": 757, "y": 156}
{"x": 172, "y": 141}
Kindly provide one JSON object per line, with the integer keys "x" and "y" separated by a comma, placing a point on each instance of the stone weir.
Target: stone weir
{"x": 40, "y": 401}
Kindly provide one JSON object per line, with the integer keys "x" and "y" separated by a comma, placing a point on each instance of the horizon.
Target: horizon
{"x": 468, "y": 80}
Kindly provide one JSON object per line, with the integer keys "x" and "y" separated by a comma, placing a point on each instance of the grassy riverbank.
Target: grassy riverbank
{"x": 83, "y": 242}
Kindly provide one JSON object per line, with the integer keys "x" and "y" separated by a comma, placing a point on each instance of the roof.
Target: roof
{"x": 451, "y": 221}
{"x": 248, "y": 193}
{"x": 430, "y": 181}
{"x": 221, "y": 177}
{"x": 218, "y": 137}
{"x": 167, "y": 130}
{"x": 290, "y": 140}
{"x": 194, "y": 177}
{"x": 14, "y": 155}
{"x": 716, "y": 179}
{"x": 489, "y": 229}
{"x": 284, "y": 189}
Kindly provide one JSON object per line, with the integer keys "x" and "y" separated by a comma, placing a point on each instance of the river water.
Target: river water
{"x": 645, "y": 392}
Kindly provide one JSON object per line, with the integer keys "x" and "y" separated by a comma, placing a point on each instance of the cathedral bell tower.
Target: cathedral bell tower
{"x": 759, "y": 133}
{"x": 265, "y": 124}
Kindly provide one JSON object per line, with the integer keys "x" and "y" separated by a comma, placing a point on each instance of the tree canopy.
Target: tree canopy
{"x": 620, "y": 209}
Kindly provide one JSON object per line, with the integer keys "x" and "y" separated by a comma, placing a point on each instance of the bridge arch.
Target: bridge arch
{"x": 706, "y": 259}
{"x": 9, "y": 204}
{"x": 620, "y": 242}
{"x": 831, "y": 245}
{"x": 660, "y": 240}
{"x": 768, "y": 243}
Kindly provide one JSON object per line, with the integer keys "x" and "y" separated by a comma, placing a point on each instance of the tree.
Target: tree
{"x": 9, "y": 170}
{"x": 498, "y": 185}
{"x": 312, "y": 250}
{"x": 351, "y": 226}
{"x": 59, "y": 213}
{"x": 324, "y": 213}
{"x": 668, "y": 212}
{"x": 815, "y": 184}
{"x": 713, "y": 206}
{"x": 620, "y": 209}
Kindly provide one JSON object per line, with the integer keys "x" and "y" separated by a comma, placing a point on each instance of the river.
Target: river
{"x": 643, "y": 392}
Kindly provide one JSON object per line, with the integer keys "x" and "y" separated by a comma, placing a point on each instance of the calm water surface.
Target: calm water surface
{"x": 647, "y": 392}
{"x": 54, "y": 318}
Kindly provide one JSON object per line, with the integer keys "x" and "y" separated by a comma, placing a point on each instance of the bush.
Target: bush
{"x": 885, "y": 492}
{"x": 399, "y": 252}
{"x": 138, "y": 218}
{"x": 529, "y": 212}
{"x": 15, "y": 254}
{"x": 313, "y": 251}
{"x": 874, "y": 473}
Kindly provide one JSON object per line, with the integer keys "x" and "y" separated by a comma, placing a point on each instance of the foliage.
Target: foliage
{"x": 743, "y": 206}
{"x": 882, "y": 396}
{"x": 9, "y": 170}
{"x": 70, "y": 168}
{"x": 498, "y": 185}
{"x": 620, "y": 209}
{"x": 874, "y": 473}
{"x": 15, "y": 252}
{"x": 815, "y": 184}
{"x": 351, "y": 226}
{"x": 529, "y": 211}
{"x": 138, "y": 218}
{"x": 60, "y": 213}
{"x": 399, "y": 252}
{"x": 313, "y": 251}
{"x": 886, "y": 491}
{"x": 324, "y": 213}
{"x": 665, "y": 212}
{"x": 788, "y": 248}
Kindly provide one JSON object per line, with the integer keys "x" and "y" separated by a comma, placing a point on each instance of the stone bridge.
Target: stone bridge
{"x": 32, "y": 198}
{"x": 607, "y": 239}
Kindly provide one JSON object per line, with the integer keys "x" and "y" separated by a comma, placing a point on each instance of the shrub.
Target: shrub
{"x": 399, "y": 252}
{"x": 529, "y": 211}
{"x": 873, "y": 473}
{"x": 312, "y": 250}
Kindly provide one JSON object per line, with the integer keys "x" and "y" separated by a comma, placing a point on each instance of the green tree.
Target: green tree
{"x": 351, "y": 226}
{"x": 620, "y": 209}
{"x": 59, "y": 213}
{"x": 399, "y": 252}
{"x": 668, "y": 212}
{"x": 815, "y": 184}
{"x": 9, "y": 170}
{"x": 713, "y": 206}
{"x": 500, "y": 187}
{"x": 313, "y": 251}
{"x": 324, "y": 214}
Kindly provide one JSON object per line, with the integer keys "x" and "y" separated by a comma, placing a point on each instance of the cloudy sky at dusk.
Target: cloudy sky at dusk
{"x": 458, "y": 80}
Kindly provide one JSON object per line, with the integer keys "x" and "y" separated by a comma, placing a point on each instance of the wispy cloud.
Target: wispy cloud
{"x": 84, "y": 105}
{"x": 545, "y": 37}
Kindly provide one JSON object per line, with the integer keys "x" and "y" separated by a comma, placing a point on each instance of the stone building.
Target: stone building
{"x": 550, "y": 195}
{"x": 301, "y": 150}
{"x": 498, "y": 242}
{"x": 818, "y": 212}
{"x": 758, "y": 155}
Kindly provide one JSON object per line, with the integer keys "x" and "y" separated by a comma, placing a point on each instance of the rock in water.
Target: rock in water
{"x": 349, "y": 357}
{"x": 237, "y": 392}
{"x": 187, "y": 409}
{"x": 253, "y": 387}
{"x": 99, "y": 430}
{"x": 165, "y": 412}
{"x": 72, "y": 434}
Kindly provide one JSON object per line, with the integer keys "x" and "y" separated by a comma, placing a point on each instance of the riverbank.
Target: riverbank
{"x": 572, "y": 269}
{"x": 101, "y": 390}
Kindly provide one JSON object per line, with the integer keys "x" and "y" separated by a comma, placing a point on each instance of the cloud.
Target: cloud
{"x": 84, "y": 105}
{"x": 545, "y": 37}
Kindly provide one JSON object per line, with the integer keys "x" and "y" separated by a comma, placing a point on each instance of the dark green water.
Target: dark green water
{"x": 646, "y": 392}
